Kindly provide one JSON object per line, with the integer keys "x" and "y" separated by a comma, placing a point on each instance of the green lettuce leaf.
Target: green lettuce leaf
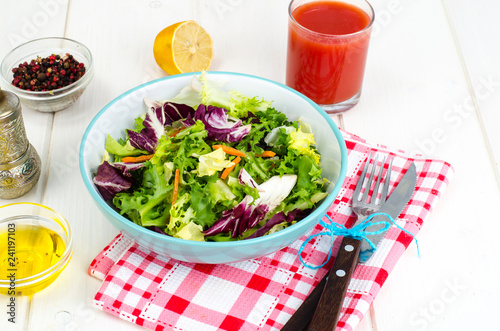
{"x": 147, "y": 206}
{"x": 125, "y": 149}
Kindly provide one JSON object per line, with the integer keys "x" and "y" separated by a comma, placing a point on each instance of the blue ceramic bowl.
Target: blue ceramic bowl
{"x": 120, "y": 114}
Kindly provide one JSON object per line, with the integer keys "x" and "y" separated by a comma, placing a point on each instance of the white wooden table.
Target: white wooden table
{"x": 432, "y": 86}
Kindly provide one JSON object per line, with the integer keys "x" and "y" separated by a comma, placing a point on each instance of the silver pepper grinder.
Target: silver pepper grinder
{"x": 20, "y": 164}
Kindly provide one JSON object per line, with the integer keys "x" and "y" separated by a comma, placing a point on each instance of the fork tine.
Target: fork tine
{"x": 357, "y": 190}
{"x": 370, "y": 180}
{"x": 379, "y": 178}
{"x": 387, "y": 180}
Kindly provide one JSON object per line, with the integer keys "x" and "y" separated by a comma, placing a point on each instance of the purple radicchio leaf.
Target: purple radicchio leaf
{"x": 246, "y": 214}
{"x": 176, "y": 111}
{"x": 126, "y": 168}
{"x": 239, "y": 218}
{"x": 158, "y": 115}
{"x": 219, "y": 125}
{"x": 251, "y": 215}
{"x": 277, "y": 218}
{"x": 169, "y": 112}
{"x": 143, "y": 140}
{"x": 244, "y": 178}
{"x": 189, "y": 121}
{"x": 154, "y": 104}
{"x": 110, "y": 181}
{"x": 239, "y": 133}
{"x": 153, "y": 129}
{"x": 229, "y": 218}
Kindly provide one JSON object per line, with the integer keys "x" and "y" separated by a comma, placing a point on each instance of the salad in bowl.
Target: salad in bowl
{"x": 212, "y": 165}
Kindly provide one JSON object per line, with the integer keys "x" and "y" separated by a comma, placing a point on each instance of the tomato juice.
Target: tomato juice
{"x": 327, "y": 49}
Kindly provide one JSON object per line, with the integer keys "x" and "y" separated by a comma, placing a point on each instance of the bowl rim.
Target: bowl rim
{"x": 325, "y": 204}
{"x": 56, "y": 267}
{"x": 57, "y": 93}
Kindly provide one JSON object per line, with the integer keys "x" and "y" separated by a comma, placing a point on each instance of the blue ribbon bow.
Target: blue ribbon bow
{"x": 357, "y": 232}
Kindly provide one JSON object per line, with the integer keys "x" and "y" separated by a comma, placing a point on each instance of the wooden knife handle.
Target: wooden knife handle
{"x": 329, "y": 306}
{"x": 302, "y": 317}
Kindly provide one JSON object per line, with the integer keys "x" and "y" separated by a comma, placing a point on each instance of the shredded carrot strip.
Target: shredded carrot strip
{"x": 137, "y": 159}
{"x": 175, "y": 133}
{"x": 230, "y": 150}
{"x": 228, "y": 170}
{"x": 267, "y": 154}
{"x": 176, "y": 186}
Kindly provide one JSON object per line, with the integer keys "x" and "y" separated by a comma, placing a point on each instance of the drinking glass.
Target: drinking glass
{"x": 327, "y": 50}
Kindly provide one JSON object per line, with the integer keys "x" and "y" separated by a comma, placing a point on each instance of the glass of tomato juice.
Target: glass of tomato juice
{"x": 327, "y": 49}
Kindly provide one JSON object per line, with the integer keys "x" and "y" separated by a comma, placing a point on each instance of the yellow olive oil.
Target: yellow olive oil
{"x": 26, "y": 250}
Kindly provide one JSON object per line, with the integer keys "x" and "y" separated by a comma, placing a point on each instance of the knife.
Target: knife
{"x": 392, "y": 206}
{"x": 325, "y": 301}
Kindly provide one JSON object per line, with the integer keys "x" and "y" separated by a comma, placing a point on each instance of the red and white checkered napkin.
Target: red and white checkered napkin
{"x": 161, "y": 293}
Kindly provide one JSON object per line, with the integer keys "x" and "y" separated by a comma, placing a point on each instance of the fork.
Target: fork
{"x": 361, "y": 206}
{"x": 324, "y": 303}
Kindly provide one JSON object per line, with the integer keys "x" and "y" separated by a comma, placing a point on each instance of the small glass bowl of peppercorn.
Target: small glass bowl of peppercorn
{"x": 48, "y": 74}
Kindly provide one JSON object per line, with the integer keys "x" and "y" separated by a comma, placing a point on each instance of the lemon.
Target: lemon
{"x": 183, "y": 47}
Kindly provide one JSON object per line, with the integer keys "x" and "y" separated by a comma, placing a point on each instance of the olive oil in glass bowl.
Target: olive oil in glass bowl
{"x": 35, "y": 246}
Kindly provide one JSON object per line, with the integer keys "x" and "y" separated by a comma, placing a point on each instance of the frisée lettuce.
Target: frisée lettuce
{"x": 212, "y": 165}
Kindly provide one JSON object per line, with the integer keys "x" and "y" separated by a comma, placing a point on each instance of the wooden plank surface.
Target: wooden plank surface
{"x": 120, "y": 36}
{"x": 36, "y": 20}
{"x": 476, "y": 28}
{"x": 426, "y": 108}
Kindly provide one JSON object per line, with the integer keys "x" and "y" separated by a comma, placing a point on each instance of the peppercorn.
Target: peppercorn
{"x": 49, "y": 73}
{"x": 41, "y": 77}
